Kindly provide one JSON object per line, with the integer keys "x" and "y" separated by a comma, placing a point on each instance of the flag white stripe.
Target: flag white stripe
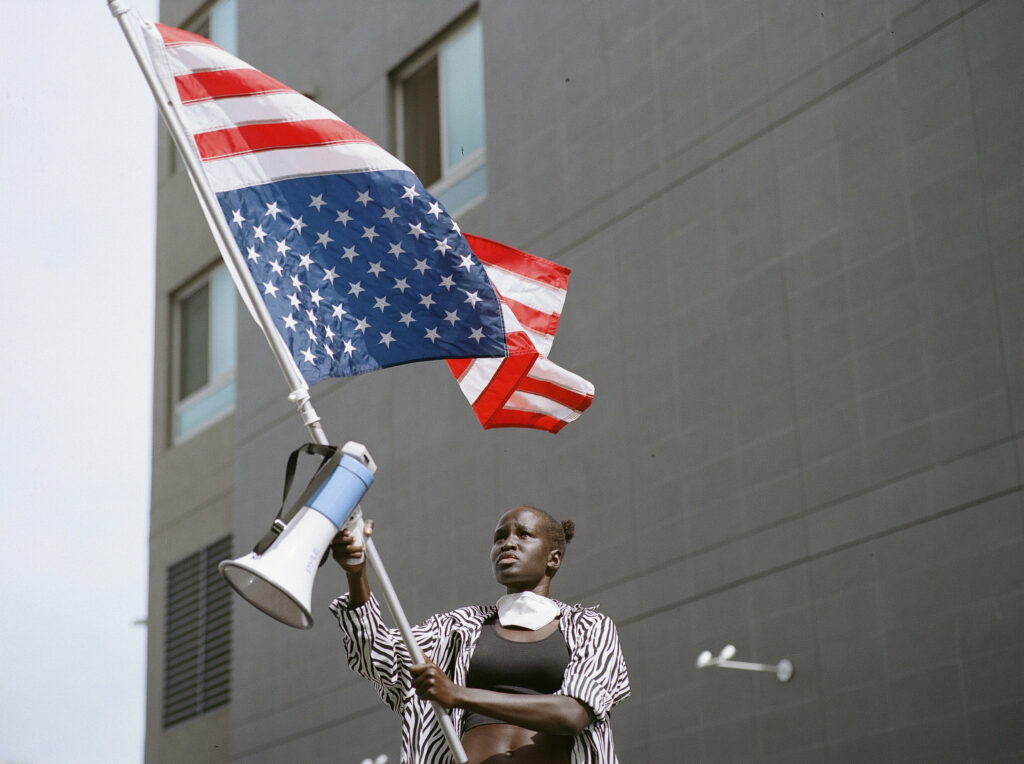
{"x": 538, "y": 404}
{"x": 547, "y": 371}
{"x": 245, "y": 170}
{"x": 476, "y": 378}
{"x": 189, "y": 58}
{"x": 224, "y": 113}
{"x": 535, "y": 294}
{"x": 540, "y": 341}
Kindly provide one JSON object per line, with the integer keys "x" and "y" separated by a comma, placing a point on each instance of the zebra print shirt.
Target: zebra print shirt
{"x": 596, "y": 674}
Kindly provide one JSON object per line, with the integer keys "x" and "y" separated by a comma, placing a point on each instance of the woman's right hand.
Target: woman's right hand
{"x": 347, "y": 552}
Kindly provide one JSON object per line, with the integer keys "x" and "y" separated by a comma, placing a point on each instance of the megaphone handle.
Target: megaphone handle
{"x": 388, "y": 592}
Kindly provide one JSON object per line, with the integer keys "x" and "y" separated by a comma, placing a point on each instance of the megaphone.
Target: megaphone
{"x": 278, "y": 579}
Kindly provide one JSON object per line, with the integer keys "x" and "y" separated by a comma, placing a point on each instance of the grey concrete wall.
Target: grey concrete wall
{"x": 795, "y": 230}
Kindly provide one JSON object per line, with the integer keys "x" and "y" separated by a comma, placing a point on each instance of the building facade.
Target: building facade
{"x": 798, "y": 286}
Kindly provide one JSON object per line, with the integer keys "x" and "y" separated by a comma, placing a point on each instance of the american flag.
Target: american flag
{"x": 360, "y": 267}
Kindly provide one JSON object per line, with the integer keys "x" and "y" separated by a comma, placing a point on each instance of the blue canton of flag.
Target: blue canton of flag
{"x": 361, "y": 271}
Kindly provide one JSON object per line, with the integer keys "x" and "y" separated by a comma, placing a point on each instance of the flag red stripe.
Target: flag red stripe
{"x": 519, "y": 262}
{"x": 458, "y": 366}
{"x": 514, "y": 418}
{"x": 568, "y": 398}
{"x": 175, "y": 36}
{"x": 226, "y": 83}
{"x": 247, "y": 139}
{"x": 530, "y": 318}
{"x": 501, "y": 386}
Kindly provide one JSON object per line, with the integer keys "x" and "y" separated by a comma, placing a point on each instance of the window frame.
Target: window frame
{"x": 215, "y": 382}
{"x": 474, "y": 161}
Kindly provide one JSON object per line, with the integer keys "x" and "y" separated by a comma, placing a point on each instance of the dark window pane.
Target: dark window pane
{"x": 421, "y": 114}
{"x": 195, "y": 342}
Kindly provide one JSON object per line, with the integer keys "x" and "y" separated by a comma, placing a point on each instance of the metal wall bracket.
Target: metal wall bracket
{"x": 783, "y": 670}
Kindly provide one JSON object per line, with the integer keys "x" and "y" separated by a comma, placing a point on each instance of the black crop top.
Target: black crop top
{"x": 524, "y": 668}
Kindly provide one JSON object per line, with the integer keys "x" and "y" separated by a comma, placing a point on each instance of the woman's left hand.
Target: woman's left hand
{"x": 433, "y": 684}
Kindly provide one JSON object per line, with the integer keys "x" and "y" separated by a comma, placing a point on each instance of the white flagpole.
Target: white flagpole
{"x": 254, "y": 301}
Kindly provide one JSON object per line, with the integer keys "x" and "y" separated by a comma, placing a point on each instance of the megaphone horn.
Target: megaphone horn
{"x": 278, "y": 579}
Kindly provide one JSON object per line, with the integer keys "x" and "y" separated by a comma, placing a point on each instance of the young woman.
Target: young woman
{"x": 530, "y": 679}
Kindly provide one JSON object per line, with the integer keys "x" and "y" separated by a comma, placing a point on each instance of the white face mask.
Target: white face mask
{"x": 526, "y": 610}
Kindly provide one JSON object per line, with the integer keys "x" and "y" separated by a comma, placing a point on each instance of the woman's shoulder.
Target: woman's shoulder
{"x": 468, "y": 615}
{"x": 587, "y": 616}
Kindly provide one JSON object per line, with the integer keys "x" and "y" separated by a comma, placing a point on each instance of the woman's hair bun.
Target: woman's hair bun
{"x": 569, "y": 529}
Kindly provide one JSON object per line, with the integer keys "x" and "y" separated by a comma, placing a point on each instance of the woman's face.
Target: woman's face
{"x": 521, "y": 554}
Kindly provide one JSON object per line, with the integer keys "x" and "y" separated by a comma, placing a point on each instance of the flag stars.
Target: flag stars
{"x": 259, "y": 233}
{"x": 282, "y": 247}
{"x": 396, "y": 250}
{"x": 466, "y": 262}
{"x": 406, "y": 318}
{"x": 364, "y": 198}
{"x": 432, "y": 335}
{"x": 305, "y": 260}
{"x": 477, "y": 334}
{"x": 401, "y": 285}
{"x": 269, "y": 288}
{"x": 309, "y": 356}
{"x": 362, "y": 325}
{"x": 290, "y": 322}
{"x": 380, "y": 303}
{"x": 410, "y": 193}
{"x": 426, "y": 300}
{"x": 356, "y": 288}
{"x": 376, "y": 268}
{"x": 370, "y": 233}
{"x": 349, "y": 348}
{"x": 297, "y": 225}
{"x": 416, "y": 231}
{"x": 349, "y": 254}
{"x": 276, "y": 268}
{"x": 448, "y": 282}
{"x": 236, "y": 217}
{"x": 328, "y": 333}
{"x": 472, "y": 297}
{"x": 317, "y": 201}
{"x": 442, "y": 246}
{"x": 323, "y": 239}
{"x": 253, "y": 254}
{"x": 294, "y": 300}
{"x": 390, "y": 214}
{"x": 386, "y": 339}
{"x": 273, "y": 210}
{"x": 451, "y": 316}
{"x": 296, "y": 281}
{"x": 435, "y": 210}
{"x": 421, "y": 266}
{"x": 330, "y": 275}
{"x": 344, "y": 217}
{"x": 339, "y": 311}
{"x": 315, "y": 297}
{"x": 312, "y": 317}
{"x": 311, "y": 334}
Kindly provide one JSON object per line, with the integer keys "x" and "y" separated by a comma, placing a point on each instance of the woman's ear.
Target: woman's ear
{"x": 554, "y": 561}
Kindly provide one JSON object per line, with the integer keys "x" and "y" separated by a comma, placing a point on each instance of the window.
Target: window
{"x": 197, "y": 651}
{"x": 204, "y": 352}
{"x": 219, "y": 23}
{"x": 440, "y": 122}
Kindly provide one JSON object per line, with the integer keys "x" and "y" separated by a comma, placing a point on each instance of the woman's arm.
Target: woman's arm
{"x": 552, "y": 714}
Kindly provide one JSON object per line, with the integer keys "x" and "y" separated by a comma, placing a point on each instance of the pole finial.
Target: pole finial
{"x": 117, "y": 8}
